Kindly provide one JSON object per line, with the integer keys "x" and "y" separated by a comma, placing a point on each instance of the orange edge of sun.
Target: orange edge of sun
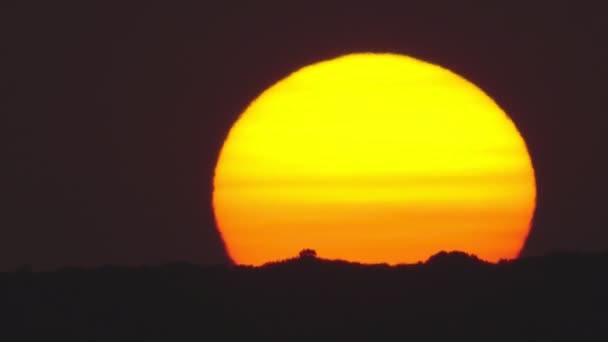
{"x": 373, "y": 158}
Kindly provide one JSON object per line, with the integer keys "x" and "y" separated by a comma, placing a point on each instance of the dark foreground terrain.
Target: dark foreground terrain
{"x": 453, "y": 296}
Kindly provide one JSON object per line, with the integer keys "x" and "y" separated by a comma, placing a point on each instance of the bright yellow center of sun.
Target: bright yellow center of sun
{"x": 373, "y": 158}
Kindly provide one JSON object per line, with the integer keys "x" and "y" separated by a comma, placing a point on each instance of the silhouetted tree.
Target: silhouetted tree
{"x": 454, "y": 258}
{"x": 308, "y": 253}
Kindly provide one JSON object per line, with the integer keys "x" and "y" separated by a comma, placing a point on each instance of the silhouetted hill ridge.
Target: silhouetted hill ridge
{"x": 453, "y": 295}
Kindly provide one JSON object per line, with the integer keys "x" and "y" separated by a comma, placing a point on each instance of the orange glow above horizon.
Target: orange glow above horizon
{"x": 373, "y": 158}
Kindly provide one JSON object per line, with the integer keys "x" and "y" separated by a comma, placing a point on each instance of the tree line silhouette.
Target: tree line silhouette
{"x": 451, "y": 296}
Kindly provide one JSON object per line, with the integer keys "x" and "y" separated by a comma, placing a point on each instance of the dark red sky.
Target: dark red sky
{"x": 113, "y": 115}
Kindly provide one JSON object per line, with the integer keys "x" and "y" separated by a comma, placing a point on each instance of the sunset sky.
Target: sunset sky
{"x": 115, "y": 116}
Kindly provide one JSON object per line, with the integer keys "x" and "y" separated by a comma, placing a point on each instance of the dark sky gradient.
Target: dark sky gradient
{"x": 114, "y": 115}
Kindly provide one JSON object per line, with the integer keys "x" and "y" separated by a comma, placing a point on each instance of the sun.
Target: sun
{"x": 374, "y": 158}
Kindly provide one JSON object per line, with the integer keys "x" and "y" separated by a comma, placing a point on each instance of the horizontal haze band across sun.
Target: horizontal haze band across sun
{"x": 372, "y": 149}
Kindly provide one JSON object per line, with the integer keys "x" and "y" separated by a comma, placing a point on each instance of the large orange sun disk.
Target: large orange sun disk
{"x": 373, "y": 158}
